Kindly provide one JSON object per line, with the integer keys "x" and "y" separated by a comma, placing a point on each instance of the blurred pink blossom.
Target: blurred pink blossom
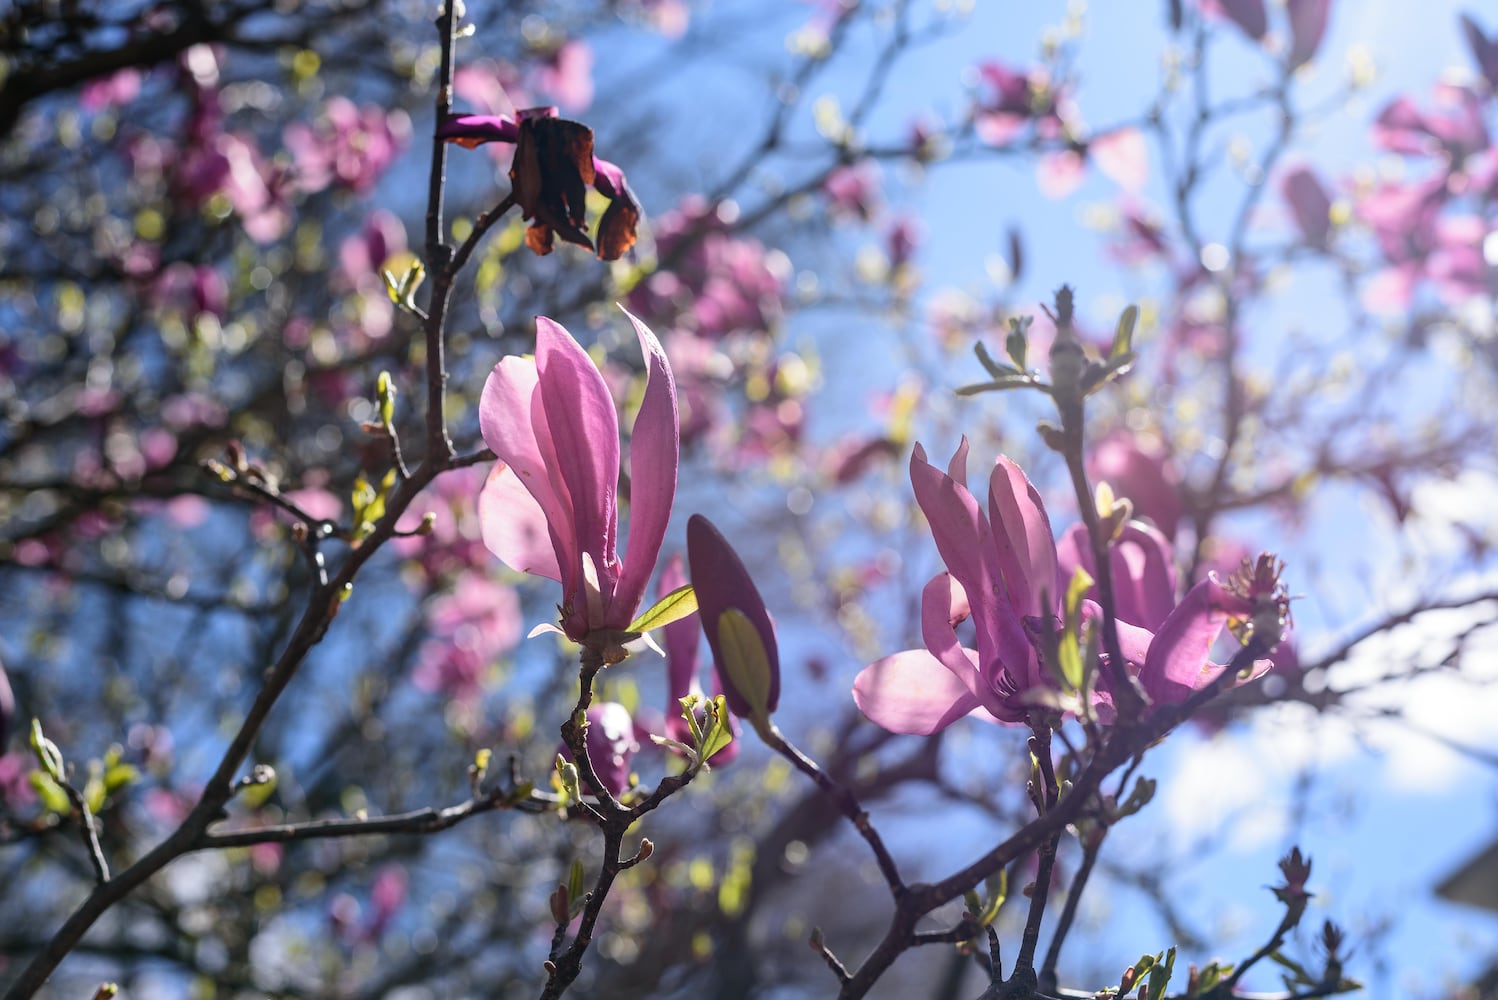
{"x": 1310, "y": 205}
{"x": 852, "y": 191}
{"x": 348, "y": 145}
{"x": 1123, "y": 156}
{"x": 120, "y": 87}
{"x": 566, "y": 76}
{"x": 1140, "y": 470}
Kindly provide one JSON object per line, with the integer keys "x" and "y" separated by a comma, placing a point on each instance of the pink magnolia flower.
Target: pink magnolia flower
{"x": 1144, "y": 575}
{"x": 682, "y": 641}
{"x": 1123, "y": 156}
{"x": 349, "y": 145}
{"x": 852, "y": 191}
{"x": 1007, "y": 100}
{"x": 1002, "y": 574}
{"x": 1144, "y": 473}
{"x": 567, "y": 75}
{"x": 552, "y": 424}
{"x": 1175, "y": 661}
{"x": 1454, "y": 127}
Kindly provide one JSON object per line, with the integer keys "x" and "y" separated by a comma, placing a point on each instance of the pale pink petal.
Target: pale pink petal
{"x": 584, "y": 435}
{"x": 965, "y": 542}
{"x": 1061, "y": 173}
{"x": 1026, "y": 546}
{"x": 514, "y": 526}
{"x": 514, "y": 428}
{"x": 911, "y": 692}
{"x": 654, "y": 454}
{"x": 1178, "y": 662}
{"x": 1124, "y": 157}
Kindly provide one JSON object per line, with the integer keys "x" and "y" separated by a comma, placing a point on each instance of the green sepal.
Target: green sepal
{"x": 673, "y": 607}
{"x": 1123, "y": 334}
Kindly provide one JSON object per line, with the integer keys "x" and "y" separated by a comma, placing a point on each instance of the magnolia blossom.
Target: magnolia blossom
{"x": 553, "y": 167}
{"x": 549, "y": 506}
{"x": 1144, "y": 576}
{"x": 1141, "y": 469}
{"x": 1004, "y": 572}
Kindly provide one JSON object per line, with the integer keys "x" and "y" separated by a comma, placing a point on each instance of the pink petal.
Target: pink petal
{"x": 1309, "y": 203}
{"x": 1027, "y": 549}
{"x": 722, "y": 583}
{"x": 654, "y": 455}
{"x": 1124, "y": 157}
{"x": 966, "y": 545}
{"x": 584, "y": 433}
{"x": 514, "y": 427}
{"x": 1248, "y": 15}
{"x": 1307, "y": 28}
{"x": 514, "y": 526}
{"x": 943, "y": 606}
{"x": 911, "y": 692}
{"x": 1177, "y": 663}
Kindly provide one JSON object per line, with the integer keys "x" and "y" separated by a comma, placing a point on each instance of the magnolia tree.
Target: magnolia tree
{"x": 377, "y": 459}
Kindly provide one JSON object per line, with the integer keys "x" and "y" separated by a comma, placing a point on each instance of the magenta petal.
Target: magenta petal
{"x": 654, "y": 455}
{"x": 610, "y": 182}
{"x": 1177, "y": 663}
{"x": 1307, "y": 28}
{"x": 1309, "y": 203}
{"x": 1144, "y": 575}
{"x": 722, "y": 583}
{"x": 1027, "y": 548}
{"x": 963, "y": 538}
{"x": 1248, "y": 15}
{"x": 943, "y": 606}
{"x": 475, "y": 129}
{"x": 515, "y": 429}
{"x": 514, "y": 526}
{"x": 584, "y": 432}
{"x": 911, "y": 692}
